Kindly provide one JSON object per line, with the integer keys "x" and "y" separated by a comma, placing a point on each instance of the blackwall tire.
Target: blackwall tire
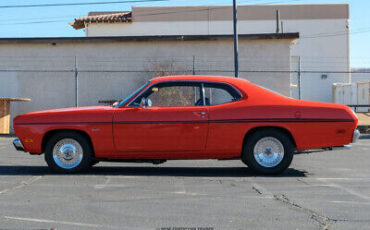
{"x": 68, "y": 152}
{"x": 268, "y": 151}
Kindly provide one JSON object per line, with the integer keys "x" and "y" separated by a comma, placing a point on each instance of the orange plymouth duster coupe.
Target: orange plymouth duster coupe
{"x": 187, "y": 117}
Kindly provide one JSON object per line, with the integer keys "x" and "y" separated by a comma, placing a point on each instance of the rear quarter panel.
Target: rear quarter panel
{"x": 311, "y": 124}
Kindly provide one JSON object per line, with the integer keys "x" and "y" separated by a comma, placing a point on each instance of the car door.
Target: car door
{"x": 225, "y": 108}
{"x": 174, "y": 122}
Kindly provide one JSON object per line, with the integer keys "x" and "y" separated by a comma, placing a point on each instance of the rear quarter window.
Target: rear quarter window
{"x": 217, "y": 94}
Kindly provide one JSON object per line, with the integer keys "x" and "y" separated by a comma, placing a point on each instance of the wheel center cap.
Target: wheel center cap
{"x": 268, "y": 151}
{"x": 68, "y": 154}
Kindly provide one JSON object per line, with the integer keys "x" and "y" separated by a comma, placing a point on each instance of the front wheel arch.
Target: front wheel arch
{"x": 51, "y": 133}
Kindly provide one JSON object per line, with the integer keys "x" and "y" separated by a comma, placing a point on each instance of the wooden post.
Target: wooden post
{"x": 5, "y": 113}
{"x": 4, "y": 116}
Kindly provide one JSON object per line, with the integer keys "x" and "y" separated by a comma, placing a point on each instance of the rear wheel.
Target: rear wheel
{"x": 268, "y": 151}
{"x": 68, "y": 152}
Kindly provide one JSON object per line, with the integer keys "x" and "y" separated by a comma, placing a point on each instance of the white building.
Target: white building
{"x": 321, "y": 53}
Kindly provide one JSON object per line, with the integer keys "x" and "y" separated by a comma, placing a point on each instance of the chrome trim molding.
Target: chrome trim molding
{"x": 18, "y": 145}
{"x": 203, "y": 94}
{"x": 129, "y": 103}
{"x": 356, "y": 135}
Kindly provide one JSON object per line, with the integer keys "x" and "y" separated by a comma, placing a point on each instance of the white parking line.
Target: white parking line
{"x": 349, "y": 202}
{"x": 102, "y": 186}
{"x": 348, "y": 190}
{"x": 343, "y": 178}
{"x": 53, "y": 222}
{"x": 180, "y": 186}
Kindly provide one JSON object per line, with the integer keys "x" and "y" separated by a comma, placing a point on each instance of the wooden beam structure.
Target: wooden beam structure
{"x": 5, "y": 112}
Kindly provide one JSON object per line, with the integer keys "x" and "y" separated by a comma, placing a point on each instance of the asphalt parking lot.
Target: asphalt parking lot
{"x": 321, "y": 190}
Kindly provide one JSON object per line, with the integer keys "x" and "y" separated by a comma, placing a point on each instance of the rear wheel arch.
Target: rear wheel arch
{"x": 275, "y": 128}
{"x": 51, "y": 133}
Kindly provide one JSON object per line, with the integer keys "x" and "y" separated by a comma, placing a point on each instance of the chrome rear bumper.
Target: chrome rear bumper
{"x": 356, "y": 135}
{"x": 343, "y": 147}
{"x": 18, "y": 145}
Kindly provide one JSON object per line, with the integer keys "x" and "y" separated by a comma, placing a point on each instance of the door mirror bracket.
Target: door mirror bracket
{"x": 145, "y": 103}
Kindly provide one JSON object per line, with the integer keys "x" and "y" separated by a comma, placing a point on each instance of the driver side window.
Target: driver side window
{"x": 172, "y": 94}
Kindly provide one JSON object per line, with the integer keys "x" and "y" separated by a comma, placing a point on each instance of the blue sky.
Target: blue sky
{"x": 53, "y": 21}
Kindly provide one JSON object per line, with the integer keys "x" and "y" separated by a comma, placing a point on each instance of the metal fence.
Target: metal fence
{"x": 55, "y": 82}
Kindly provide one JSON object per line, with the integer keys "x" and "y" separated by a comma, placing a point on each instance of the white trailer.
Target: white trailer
{"x": 342, "y": 93}
{"x": 363, "y": 96}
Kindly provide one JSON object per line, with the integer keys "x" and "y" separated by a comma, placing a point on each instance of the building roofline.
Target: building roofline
{"x": 101, "y": 17}
{"x": 55, "y": 40}
{"x": 216, "y": 13}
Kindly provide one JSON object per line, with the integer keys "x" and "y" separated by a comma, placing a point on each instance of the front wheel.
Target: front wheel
{"x": 268, "y": 152}
{"x": 68, "y": 153}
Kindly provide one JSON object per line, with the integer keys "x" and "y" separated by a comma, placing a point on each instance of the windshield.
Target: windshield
{"x": 122, "y": 102}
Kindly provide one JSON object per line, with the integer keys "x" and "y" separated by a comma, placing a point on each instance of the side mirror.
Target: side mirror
{"x": 145, "y": 102}
{"x": 115, "y": 104}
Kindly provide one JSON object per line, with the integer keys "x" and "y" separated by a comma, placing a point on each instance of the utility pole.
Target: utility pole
{"x": 236, "y": 55}
{"x": 193, "y": 64}
{"x": 299, "y": 78}
{"x": 76, "y": 82}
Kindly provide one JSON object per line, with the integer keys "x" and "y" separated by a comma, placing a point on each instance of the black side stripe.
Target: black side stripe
{"x": 238, "y": 121}
{"x": 279, "y": 120}
{"x": 67, "y": 123}
{"x": 259, "y": 120}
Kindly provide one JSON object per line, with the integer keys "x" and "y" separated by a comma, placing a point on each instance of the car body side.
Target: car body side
{"x": 309, "y": 124}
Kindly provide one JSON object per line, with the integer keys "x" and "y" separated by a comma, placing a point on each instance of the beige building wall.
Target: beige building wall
{"x": 112, "y": 70}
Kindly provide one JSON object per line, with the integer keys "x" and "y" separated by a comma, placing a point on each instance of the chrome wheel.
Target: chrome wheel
{"x": 67, "y": 153}
{"x": 268, "y": 152}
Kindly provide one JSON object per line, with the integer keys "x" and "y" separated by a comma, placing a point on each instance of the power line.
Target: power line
{"x": 79, "y": 4}
{"x": 186, "y": 70}
{"x": 338, "y": 33}
{"x": 319, "y": 35}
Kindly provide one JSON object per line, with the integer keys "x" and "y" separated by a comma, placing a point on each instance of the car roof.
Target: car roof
{"x": 231, "y": 80}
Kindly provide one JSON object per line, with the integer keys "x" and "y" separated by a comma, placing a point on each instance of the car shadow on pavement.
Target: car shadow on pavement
{"x": 150, "y": 171}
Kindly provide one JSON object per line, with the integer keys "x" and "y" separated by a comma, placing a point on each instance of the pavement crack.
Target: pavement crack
{"x": 323, "y": 221}
{"x": 257, "y": 190}
{"x": 302, "y": 181}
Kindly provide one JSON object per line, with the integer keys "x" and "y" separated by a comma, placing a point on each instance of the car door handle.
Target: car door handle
{"x": 200, "y": 113}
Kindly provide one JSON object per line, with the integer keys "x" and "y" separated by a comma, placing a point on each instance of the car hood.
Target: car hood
{"x": 67, "y": 115}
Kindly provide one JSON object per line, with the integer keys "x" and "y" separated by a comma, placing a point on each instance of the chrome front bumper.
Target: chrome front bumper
{"x": 18, "y": 145}
{"x": 356, "y": 135}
